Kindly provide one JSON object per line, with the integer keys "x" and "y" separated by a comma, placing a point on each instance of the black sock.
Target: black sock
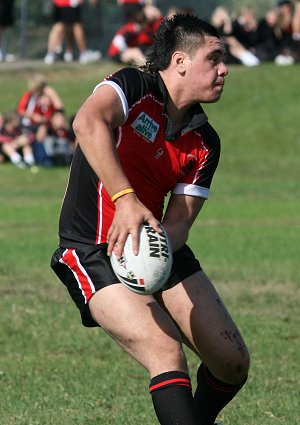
{"x": 212, "y": 395}
{"x": 172, "y": 399}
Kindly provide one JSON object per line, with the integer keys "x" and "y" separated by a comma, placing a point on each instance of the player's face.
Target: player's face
{"x": 206, "y": 71}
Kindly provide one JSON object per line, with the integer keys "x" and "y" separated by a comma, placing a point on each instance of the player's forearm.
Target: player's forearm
{"x": 178, "y": 234}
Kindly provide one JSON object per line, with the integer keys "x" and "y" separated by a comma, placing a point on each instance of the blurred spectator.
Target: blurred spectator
{"x": 2, "y": 158}
{"x": 236, "y": 52}
{"x": 130, "y": 8}
{"x": 133, "y": 38}
{"x": 289, "y": 44}
{"x": 37, "y": 107}
{"x": 6, "y": 21}
{"x": 286, "y": 15}
{"x": 268, "y": 36}
{"x": 244, "y": 27}
{"x": 59, "y": 141}
{"x": 13, "y": 144}
{"x": 154, "y": 17}
{"x": 286, "y": 24}
{"x": 296, "y": 21}
{"x": 67, "y": 16}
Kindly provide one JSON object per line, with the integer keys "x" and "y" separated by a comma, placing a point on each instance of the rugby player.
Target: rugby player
{"x": 143, "y": 134}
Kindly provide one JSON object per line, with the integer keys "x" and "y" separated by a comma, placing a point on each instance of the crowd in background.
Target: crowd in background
{"x": 273, "y": 37}
{"x": 250, "y": 39}
{"x": 39, "y": 133}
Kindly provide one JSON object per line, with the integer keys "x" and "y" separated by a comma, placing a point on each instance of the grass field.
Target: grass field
{"x": 55, "y": 372}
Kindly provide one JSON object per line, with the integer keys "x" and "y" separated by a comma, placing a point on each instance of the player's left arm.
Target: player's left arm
{"x": 180, "y": 214}
{"x": 189, "y": 195}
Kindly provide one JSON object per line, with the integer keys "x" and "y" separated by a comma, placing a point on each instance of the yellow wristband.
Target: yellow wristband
{"x": 121, "y": 193}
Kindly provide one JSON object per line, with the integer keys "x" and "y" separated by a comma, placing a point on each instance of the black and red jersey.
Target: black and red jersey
{"x": 155, "y": 160}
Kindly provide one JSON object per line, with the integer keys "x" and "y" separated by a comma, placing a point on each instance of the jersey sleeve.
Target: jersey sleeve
{"x": 201, "y": 166}
{"x": 129, "y": 93}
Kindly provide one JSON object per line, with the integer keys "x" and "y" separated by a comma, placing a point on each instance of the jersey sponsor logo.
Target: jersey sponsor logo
{"x": 146, "y": 127}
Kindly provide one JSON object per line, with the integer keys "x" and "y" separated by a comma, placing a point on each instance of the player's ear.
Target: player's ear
{"x": 179, "y": 61}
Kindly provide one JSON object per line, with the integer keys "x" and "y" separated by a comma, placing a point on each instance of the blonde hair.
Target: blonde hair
{"x": 37, "y": 83}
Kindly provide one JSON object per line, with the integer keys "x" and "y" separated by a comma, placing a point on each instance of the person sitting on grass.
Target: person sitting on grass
{"x": 37, "y": 107}
{"x": 14, "y": 145}
{"x": 236, "y": 52}
{"x": 59, "y": 143}
{"x": 130, "y": 42}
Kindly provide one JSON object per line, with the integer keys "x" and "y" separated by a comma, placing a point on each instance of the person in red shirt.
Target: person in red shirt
{"x": 141, "y": 136}
{"x": 134, "y": 37}
{"x": 36, "y": 107}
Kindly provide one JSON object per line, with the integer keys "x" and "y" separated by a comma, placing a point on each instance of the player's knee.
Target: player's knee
{"x": 241, "y": 369}
{"x": 231, "y": 366}
{"x": 167, "y": 357}
{"x": 237, "y": 368}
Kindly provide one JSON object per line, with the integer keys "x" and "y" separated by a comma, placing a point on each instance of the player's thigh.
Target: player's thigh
{"x": 206, "y": 324}
{"x": 140, "y": 326}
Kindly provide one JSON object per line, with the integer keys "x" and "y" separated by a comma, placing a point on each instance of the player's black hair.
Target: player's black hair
{"x": 180, "y": 32}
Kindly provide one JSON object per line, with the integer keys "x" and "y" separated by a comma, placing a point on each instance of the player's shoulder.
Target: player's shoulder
{"x": 135, "y": 83}
{"x": 134, "y": 76}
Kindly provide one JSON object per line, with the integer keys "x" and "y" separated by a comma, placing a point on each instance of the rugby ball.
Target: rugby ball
{"x": 148, "y": 271}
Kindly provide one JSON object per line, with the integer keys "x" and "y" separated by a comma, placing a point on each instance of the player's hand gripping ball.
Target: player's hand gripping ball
{"x": 148, "y": 271}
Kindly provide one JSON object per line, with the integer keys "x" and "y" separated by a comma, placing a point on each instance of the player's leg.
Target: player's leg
{"x": 201, "y": 315}
{"x": 209, "y": 330}
{"x": 141, "y": 327}
{"x": 137, "y": 323}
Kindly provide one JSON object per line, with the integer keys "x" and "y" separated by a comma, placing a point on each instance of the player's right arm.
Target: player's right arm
{"x": 93, "y": 125}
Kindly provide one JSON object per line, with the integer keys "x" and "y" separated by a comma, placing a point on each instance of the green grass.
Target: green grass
{"x": 53, "y": 371}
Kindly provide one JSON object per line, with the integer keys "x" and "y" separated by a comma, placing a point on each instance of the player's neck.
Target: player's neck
{"x": 179, "y": 116}
{"x": 177, "y": 104}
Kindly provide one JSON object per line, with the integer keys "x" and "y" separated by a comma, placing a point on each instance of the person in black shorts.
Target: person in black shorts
{"x": 6, "y": 21}
{"x": 141, "y": 135}
{"x": 68, "y": 25}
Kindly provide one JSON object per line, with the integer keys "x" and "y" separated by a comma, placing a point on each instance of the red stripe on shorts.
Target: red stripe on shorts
{"x": 85, "y": 284}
